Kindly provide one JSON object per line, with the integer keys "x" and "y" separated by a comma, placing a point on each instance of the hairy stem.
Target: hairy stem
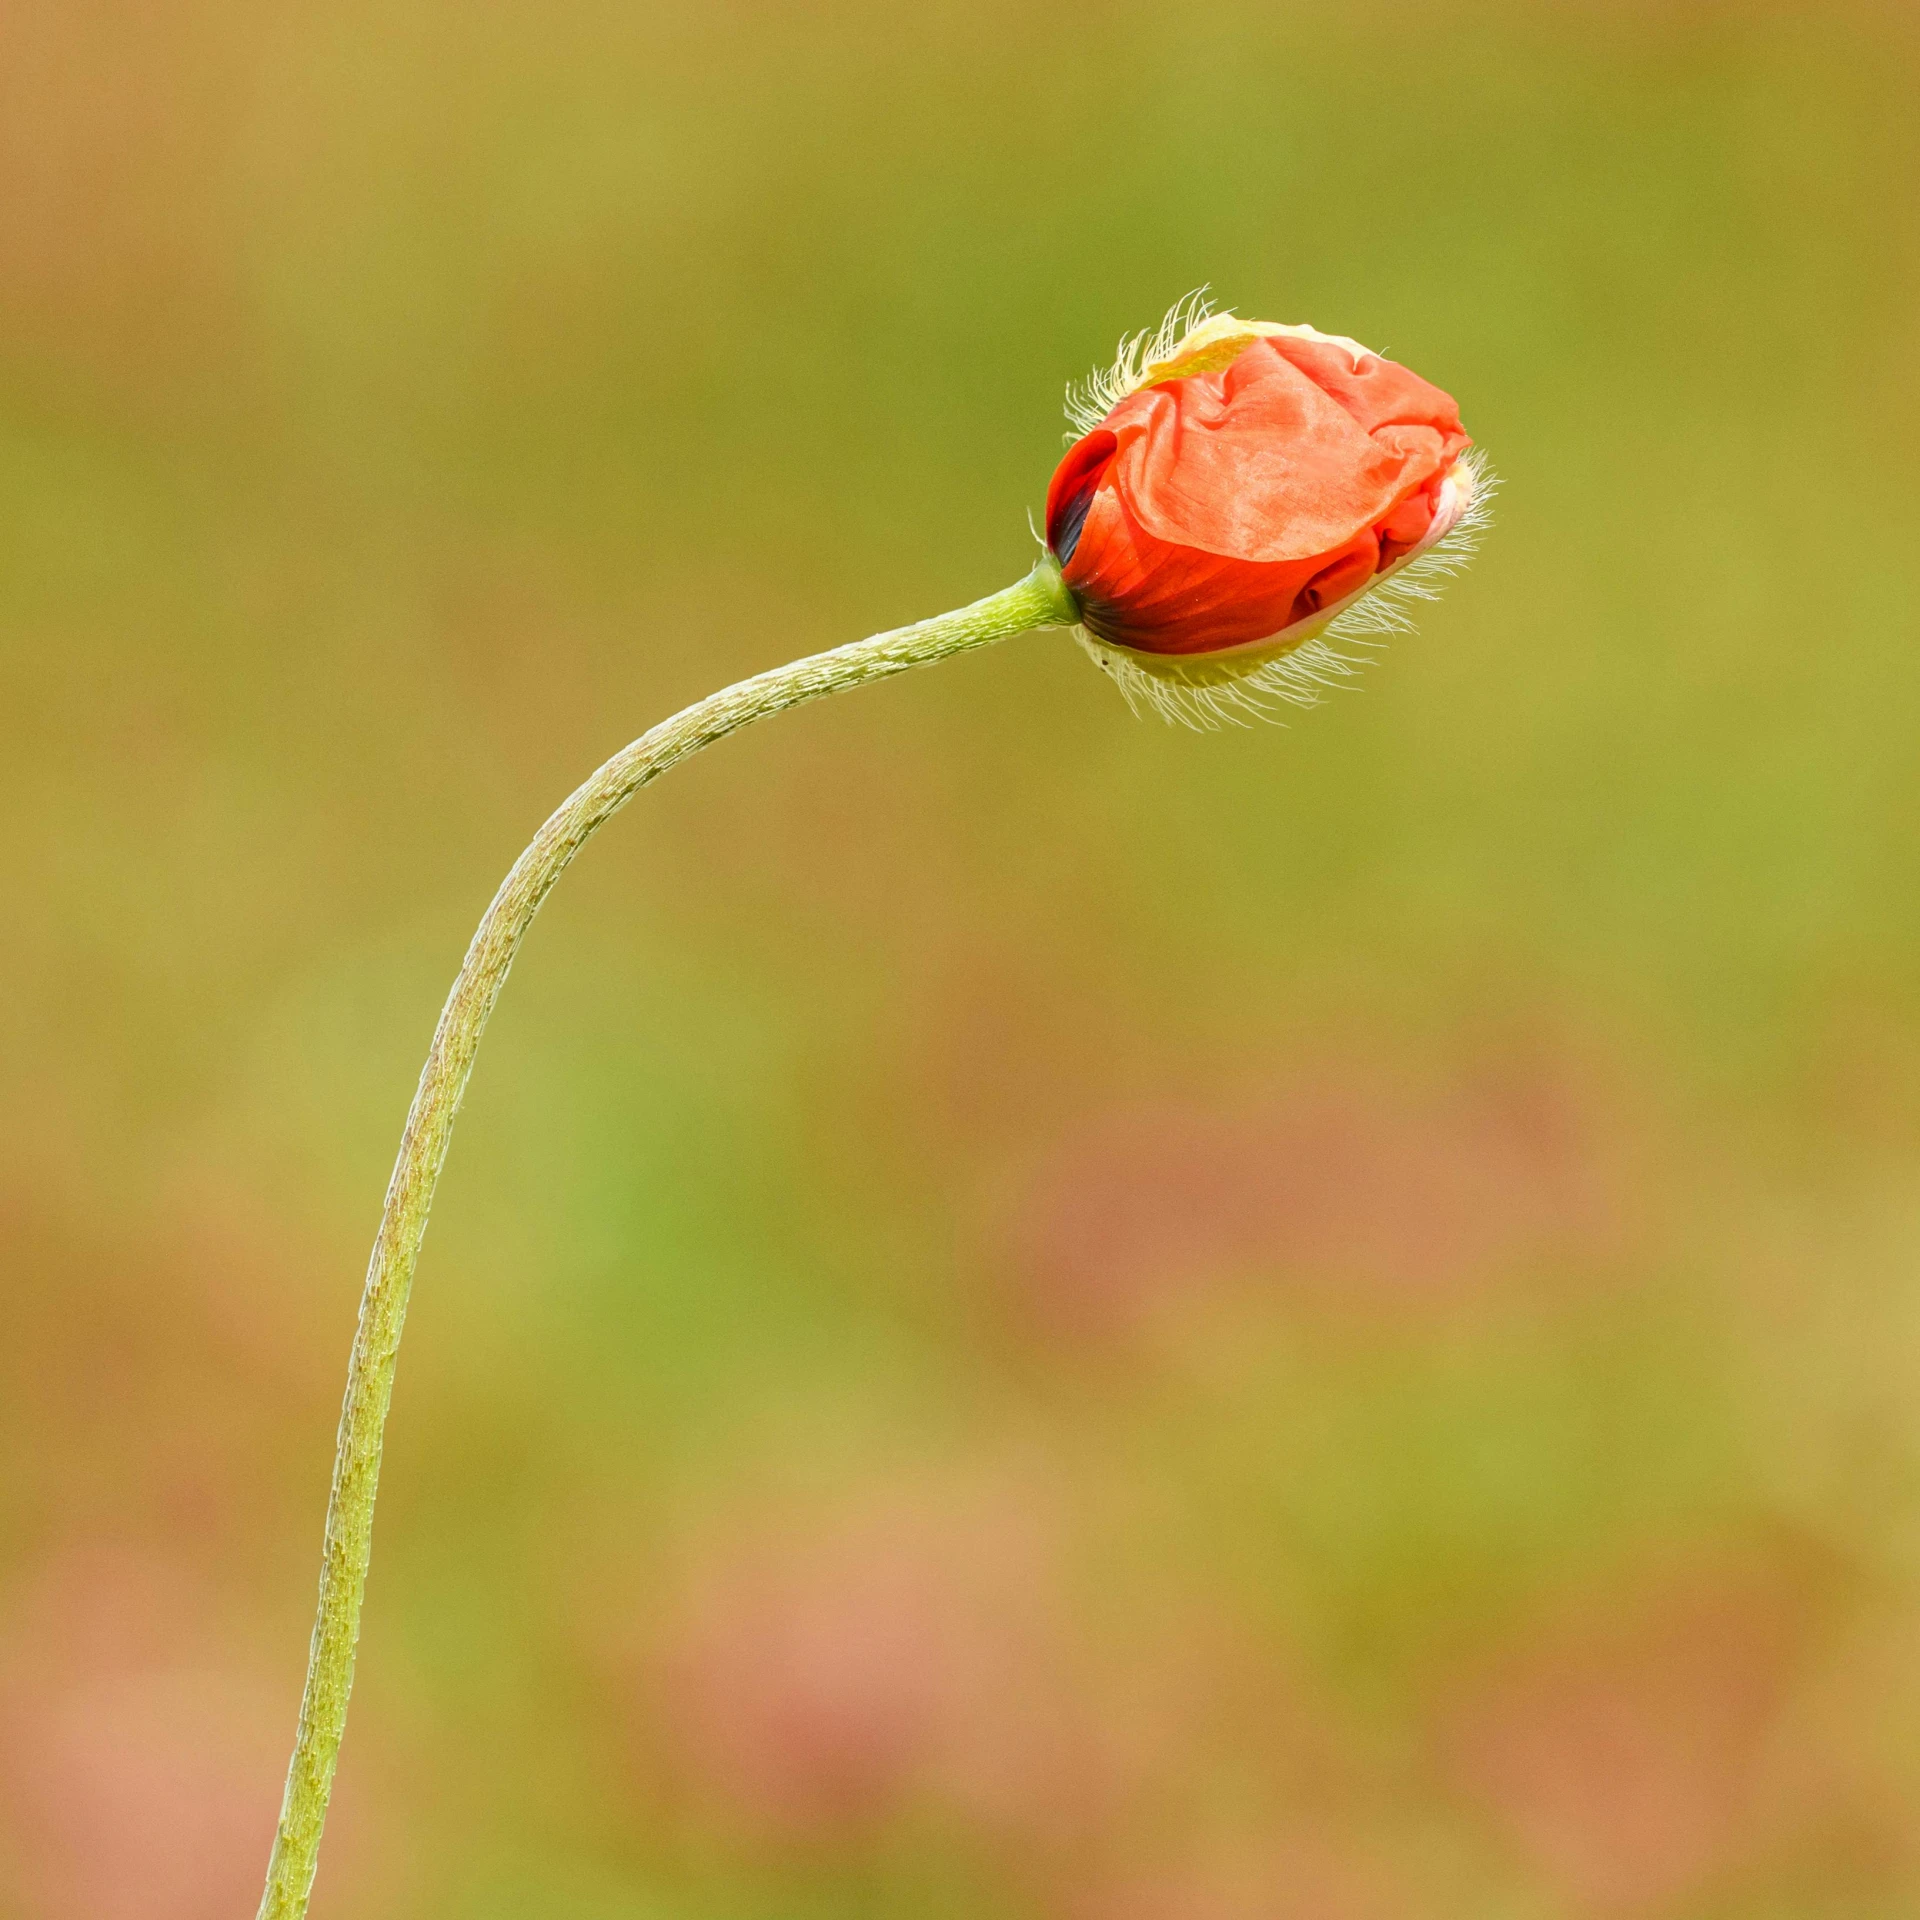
{"x": 1038, "y": 601}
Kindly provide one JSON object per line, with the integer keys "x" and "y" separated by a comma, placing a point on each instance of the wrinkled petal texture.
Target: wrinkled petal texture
{"x": 1217, "y": 510}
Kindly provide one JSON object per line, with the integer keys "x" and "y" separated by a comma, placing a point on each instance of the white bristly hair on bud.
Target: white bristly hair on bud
{"x": 1089, "y": 401}
{"x": 1209, "y": 691}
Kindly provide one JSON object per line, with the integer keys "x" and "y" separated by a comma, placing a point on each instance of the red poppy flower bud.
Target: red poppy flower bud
{"x": 1241, "y": 495}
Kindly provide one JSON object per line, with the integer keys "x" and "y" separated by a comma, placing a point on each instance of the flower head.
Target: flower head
{"x": 1241, "y": 494}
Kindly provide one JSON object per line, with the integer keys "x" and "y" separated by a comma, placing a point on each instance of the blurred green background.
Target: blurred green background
{"x": 1033, "y": 1315}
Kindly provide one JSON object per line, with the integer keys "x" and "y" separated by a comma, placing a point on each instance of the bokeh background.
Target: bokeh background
{"x": 1033, "y": 1315}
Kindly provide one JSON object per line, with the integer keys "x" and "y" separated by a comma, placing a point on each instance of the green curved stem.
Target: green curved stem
{"x": 1038, "y": 601}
